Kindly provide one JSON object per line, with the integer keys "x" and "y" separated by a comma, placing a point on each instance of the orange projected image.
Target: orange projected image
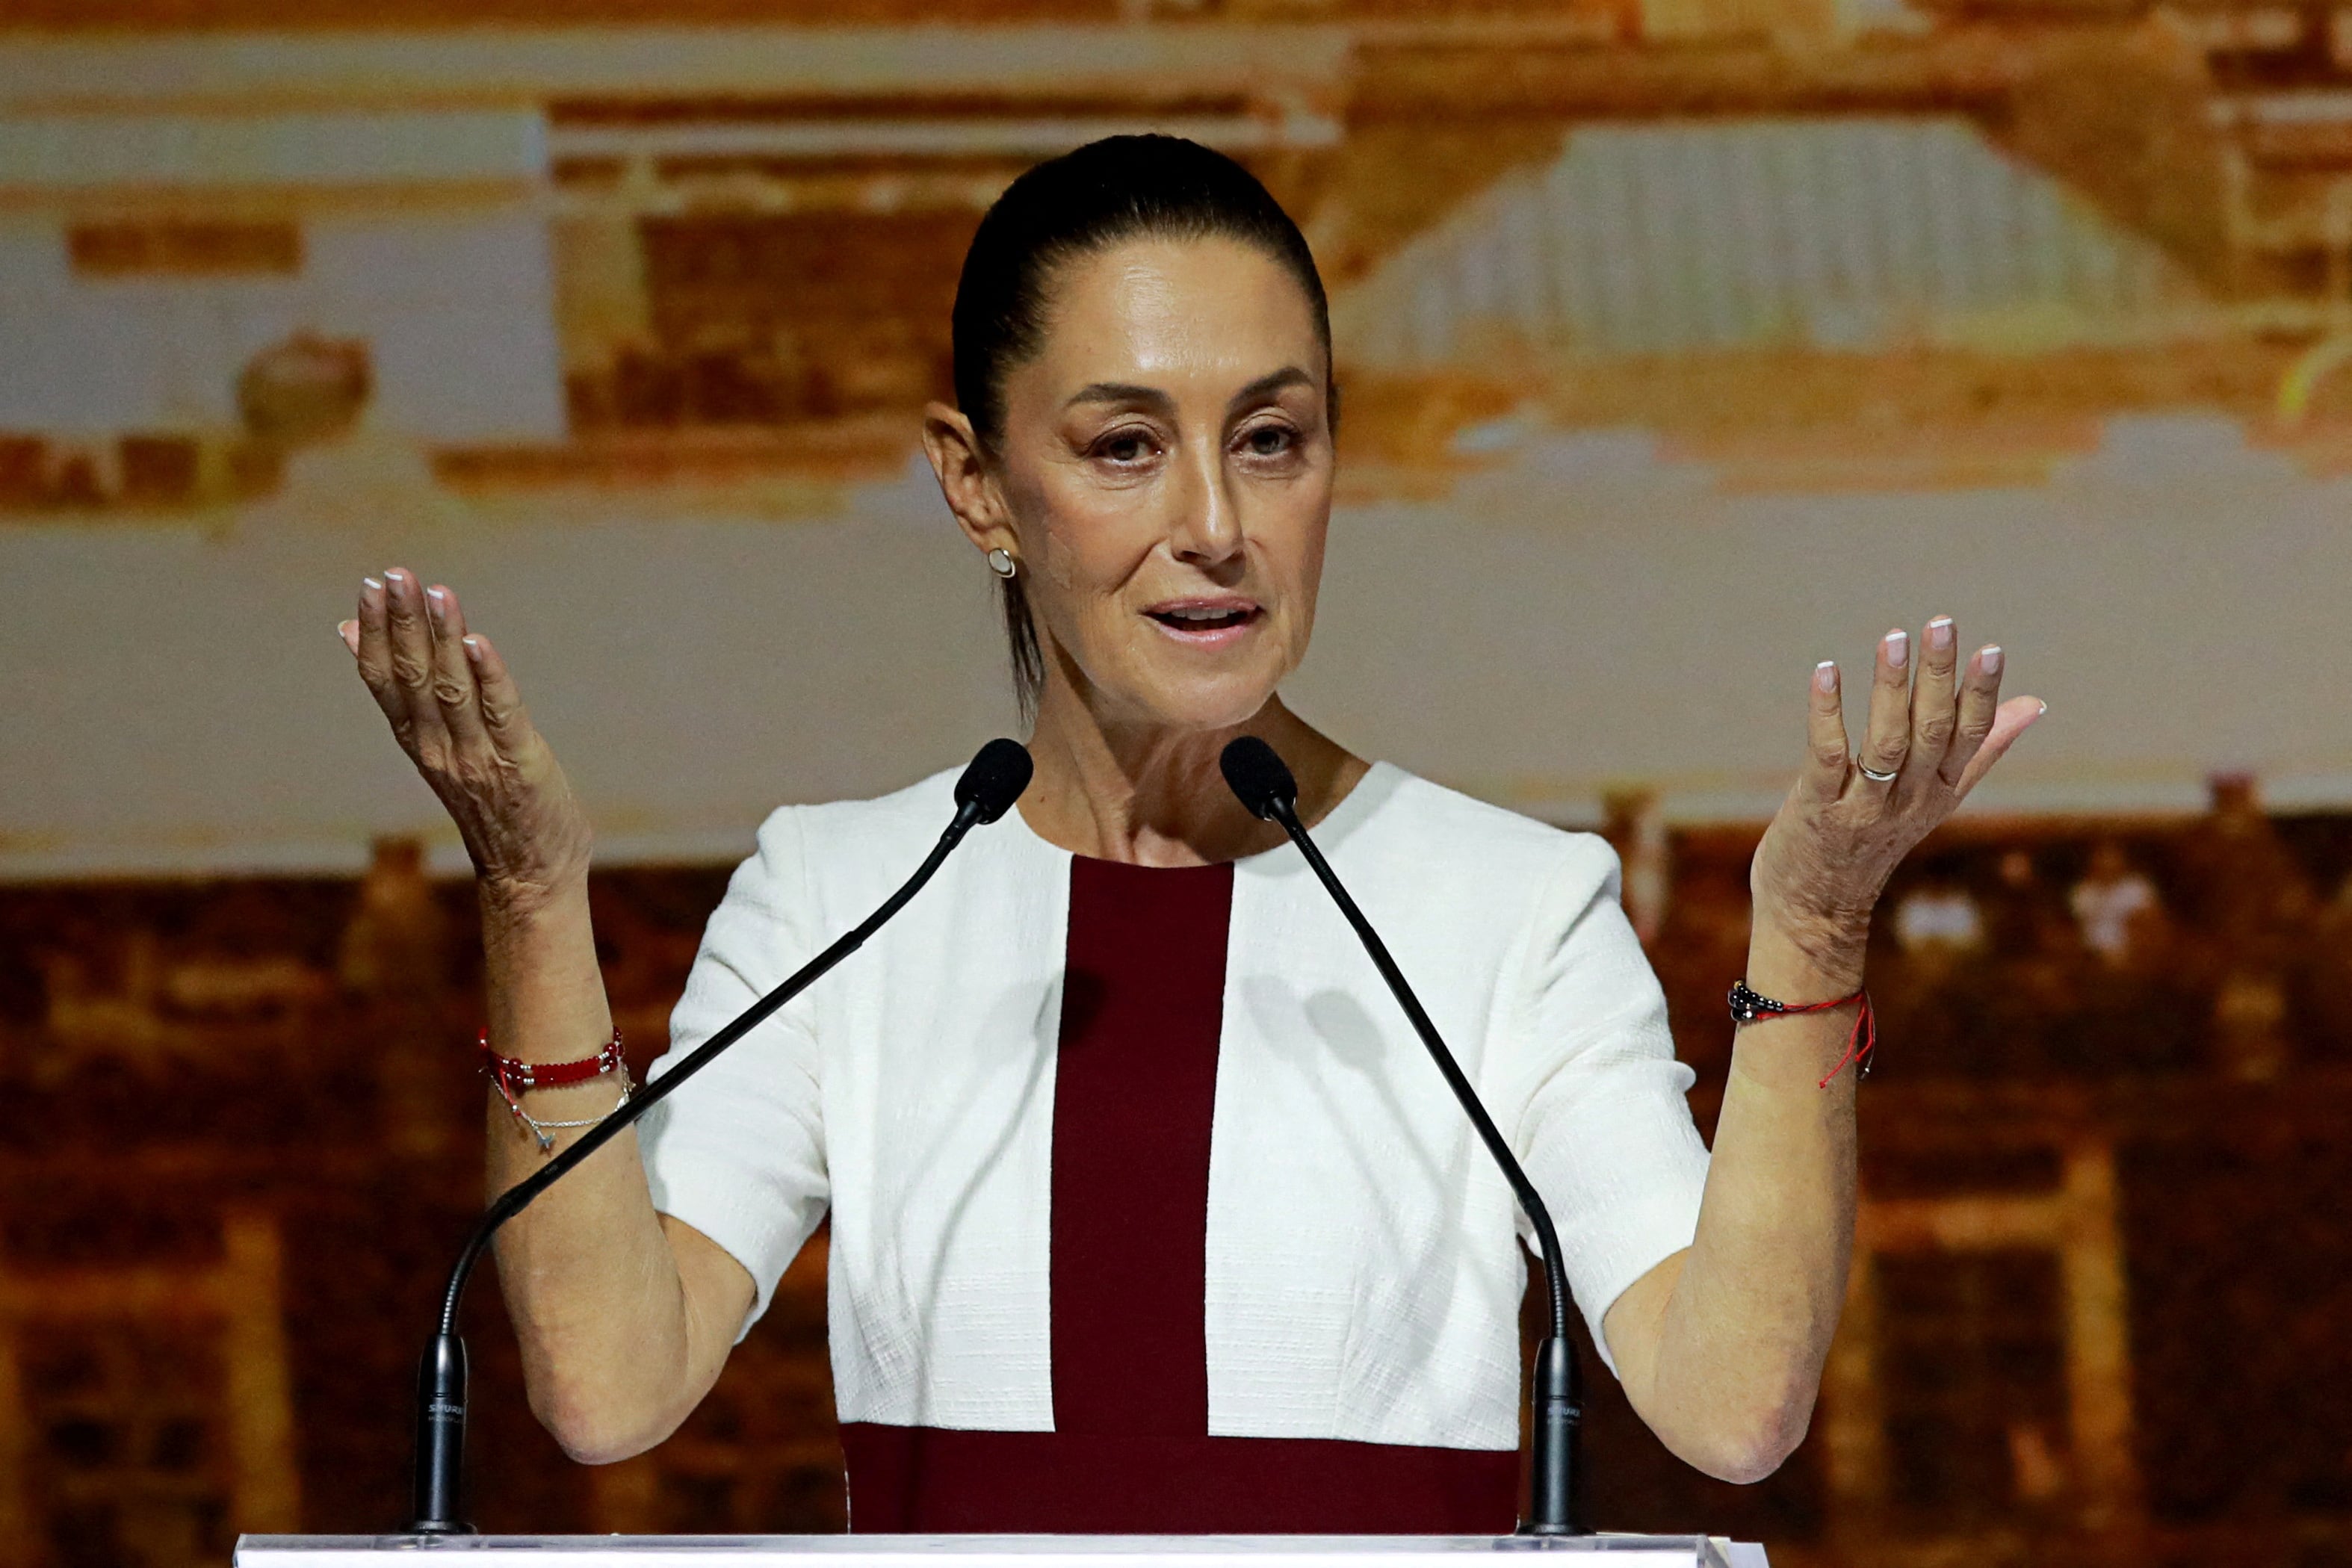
{"x": 1681, "y": 344}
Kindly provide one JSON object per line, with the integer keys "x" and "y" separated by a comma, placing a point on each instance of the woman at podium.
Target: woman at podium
{"x": 1148, "y": 1213}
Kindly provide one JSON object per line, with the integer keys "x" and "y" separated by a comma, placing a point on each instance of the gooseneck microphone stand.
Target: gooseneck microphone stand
{"x": 989, "y": 785}
{"x": 1555, "y": 1498}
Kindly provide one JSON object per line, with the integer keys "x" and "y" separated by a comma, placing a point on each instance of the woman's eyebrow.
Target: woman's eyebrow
{"x": 1123, "y": 393}
{"x": 1266, "y": 385}
{"x": 1129, "y": 395}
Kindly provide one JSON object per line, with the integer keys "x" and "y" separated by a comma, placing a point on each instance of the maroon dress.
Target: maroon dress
{"x": 1135, "y": 1088}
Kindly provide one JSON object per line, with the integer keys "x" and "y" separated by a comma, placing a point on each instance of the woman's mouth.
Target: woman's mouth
{"x": 1207, "y": 621}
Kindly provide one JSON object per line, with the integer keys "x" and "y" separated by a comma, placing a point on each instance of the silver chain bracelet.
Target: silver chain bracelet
{"x": 540, "y": 1129}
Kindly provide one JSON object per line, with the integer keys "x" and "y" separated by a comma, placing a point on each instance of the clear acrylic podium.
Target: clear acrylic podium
{"x": 986, "y": 1551}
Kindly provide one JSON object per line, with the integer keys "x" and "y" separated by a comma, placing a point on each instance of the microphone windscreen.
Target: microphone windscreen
{"x": 995, "y": 779}
{"x": 1257, "y": 776}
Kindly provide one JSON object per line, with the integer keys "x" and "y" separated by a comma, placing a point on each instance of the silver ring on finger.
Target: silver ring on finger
{"x": 1873, "y": 774}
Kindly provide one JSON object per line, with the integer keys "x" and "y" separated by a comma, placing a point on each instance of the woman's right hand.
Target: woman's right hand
{"x": 454, "y": 710}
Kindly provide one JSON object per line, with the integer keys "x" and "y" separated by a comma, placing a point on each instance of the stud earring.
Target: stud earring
{"x": 1001, "y": 562}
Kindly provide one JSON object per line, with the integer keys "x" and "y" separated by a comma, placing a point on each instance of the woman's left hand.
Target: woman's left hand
{"x": 1842, "y": 831}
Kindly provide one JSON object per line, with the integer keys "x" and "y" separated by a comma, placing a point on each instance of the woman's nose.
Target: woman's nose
{"x": 1206, "y": 528}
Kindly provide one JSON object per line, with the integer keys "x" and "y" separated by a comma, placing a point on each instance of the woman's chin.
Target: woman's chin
{"x": 1205, "y": 707}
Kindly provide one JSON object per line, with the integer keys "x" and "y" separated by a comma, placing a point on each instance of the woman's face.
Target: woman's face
{"x": 1166, "y": 464}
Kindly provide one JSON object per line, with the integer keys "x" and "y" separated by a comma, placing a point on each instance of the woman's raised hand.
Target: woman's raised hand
{"x": 1853, "y": 816}
{"x": 454, "y": 710}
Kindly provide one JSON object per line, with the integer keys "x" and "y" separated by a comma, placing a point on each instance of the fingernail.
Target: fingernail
{"x": 371, "y": 585}
{"x": 2041, "y": 709}
{"x": 1825, "y": 675}
{"x": 436, "y": 601}
{"x": 1939, "y": 632}
{"x": 392, "y": 580}
{"x": 1989, "y": 660}
{"x": 472, "y": 647}
{"x": 1898, "y": 649}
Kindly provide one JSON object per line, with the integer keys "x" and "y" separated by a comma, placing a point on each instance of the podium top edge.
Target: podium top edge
{"x": 259, "y": 1551}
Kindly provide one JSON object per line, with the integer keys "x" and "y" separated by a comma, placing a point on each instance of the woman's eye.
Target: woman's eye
{"x": 1126, "y": 446}
{"x": 1269, "y": 441}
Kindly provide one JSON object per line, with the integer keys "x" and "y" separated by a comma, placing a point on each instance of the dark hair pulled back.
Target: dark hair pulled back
{"x": 1105, "y": 194}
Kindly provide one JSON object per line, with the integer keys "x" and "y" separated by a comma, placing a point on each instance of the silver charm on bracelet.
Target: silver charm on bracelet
{"x": 540, "y": 1129}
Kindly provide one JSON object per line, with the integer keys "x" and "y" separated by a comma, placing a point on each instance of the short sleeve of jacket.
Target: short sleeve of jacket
{"x": 737, "y": 1152}
{"x": 1602, "y": 1122}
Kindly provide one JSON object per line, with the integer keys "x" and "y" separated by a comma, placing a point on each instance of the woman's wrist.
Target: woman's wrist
{"x": 1803, "y": 968}
{"x": 1805, "y": 961}
{"x": 522, "y": 902}
{"x": 545, "y": 994}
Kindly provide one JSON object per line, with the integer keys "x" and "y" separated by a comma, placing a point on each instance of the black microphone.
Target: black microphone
{"x": 1555, "y": 1500}
{"x": 991, "y": 782}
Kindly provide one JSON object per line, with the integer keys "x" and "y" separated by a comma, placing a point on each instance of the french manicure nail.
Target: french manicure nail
{"x": 1939, "y": 632}
{"x": 1898, "y": 649}
{"x": 1989, "y": 660}
{"x": 437, "y": 600}
{"x": 1825, "y": 675}
{"x": 2040, "y": 709}
{"x": 371, "y": 585}
{"x": 472, "y": 647}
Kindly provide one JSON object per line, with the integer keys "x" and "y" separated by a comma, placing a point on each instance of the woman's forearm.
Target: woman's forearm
{"x": 1741, "y": 1329}
{"x": 624, "y": 1317}
{"x": 609, "y": 1342}
{"x": 1722, "y": 1344}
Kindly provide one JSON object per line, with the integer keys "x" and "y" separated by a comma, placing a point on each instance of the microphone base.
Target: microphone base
{"x": 441, "y": 1438}
{"x": 1555, "y": 1498}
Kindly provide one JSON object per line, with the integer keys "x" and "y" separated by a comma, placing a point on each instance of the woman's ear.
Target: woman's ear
{"x": 960, "y": 463}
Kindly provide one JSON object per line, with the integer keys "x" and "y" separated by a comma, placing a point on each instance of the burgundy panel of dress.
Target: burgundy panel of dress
{"x": 1134, "y": 1099}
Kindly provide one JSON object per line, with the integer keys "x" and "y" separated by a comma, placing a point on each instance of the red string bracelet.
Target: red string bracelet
{"x": 1747, "y": 1006}
{"x": 514, "y": 1077}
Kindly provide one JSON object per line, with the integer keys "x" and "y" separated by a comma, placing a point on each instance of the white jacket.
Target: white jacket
{"x": 1363, "y": 1282}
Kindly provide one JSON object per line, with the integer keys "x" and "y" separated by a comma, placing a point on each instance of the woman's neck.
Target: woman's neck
{"x": 1152, "y": 795}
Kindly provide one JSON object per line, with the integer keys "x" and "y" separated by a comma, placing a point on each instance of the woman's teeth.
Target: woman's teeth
{"x": 1201, "y": 617}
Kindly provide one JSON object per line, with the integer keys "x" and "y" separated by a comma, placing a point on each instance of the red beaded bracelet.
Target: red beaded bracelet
{"x": 1747, "y": 1007}
{"x": 515, "y": 1077}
